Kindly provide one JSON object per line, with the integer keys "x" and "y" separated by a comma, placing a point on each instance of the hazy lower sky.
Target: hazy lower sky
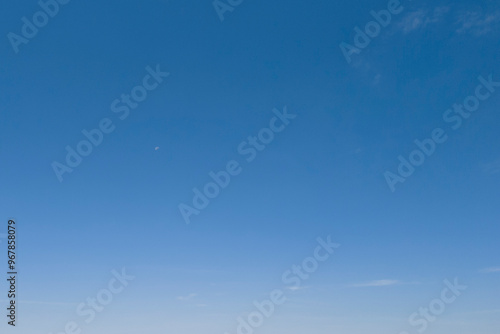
{"x": 329, "y": 169}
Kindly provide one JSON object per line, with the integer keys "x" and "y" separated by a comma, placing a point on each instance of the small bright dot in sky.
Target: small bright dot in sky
{"x": 157, "y": 148}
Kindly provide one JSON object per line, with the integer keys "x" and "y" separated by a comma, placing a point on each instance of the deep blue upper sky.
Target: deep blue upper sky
{"x": 323, "y": 175}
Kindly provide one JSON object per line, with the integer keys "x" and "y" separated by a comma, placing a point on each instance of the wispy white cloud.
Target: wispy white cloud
{"x": 494, "y": 311}
{"x": 383, "y": 282}
{"x": 491, "y": 270}
{"x": 201, "y": 305}
{"x": 492, "y": 167}
{"x": 422, "y": 18}
{"x": 439, "y": 13}
{"x": 296, "y": 288}
{"x": 477, "y": 23}
{"x": 489, "y": 311}
{"x": 473, "y": 22}
{"x": 188, "y": 297}
{"x": 42, "y": 303}
{"x": 413, "y": 21}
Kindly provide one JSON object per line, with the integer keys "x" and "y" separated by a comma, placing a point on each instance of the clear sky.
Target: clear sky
{"x": 323, "y": 174}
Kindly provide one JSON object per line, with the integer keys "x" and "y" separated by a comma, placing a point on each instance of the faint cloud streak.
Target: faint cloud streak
{"x": 422, "y": 18}
{"x": 188, "y": 297}
{"x": 491, "y": 168}
{"x": 378, "y": 283}
{"x": 477, "y": 23}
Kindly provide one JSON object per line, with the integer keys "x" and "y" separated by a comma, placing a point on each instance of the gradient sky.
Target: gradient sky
{"x": 323, "y": 175}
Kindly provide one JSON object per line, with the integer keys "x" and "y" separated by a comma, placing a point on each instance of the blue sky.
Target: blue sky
{"x": 322, "y": 175}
